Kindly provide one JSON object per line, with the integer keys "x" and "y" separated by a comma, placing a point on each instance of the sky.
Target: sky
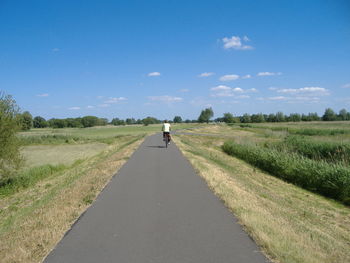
{"x": 165, "y": 58}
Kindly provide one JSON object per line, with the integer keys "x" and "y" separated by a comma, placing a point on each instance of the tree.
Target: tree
{"x": 228, "y": 118}
{"x": 102, "y": 122}
{"x": 57, "y": 123}
{"x": 280, "y": 117}
{"x": 329, "y": 115}
{"x": 150, "y": 120}
{"x": 245, "y": 118}
{"x": 10, "y": 159}
{"x": 177, "y": 119}
{"x": 343, "y": 114}
{"x": 73, "y": 122}
{"x": 313, "y": 116}
{"x": 130, "y": 121}
{"x": 271, "y": 118}
{"x": 258, "y": 118}
{"x": 39, "y": 122}
{"x": 89, "y": 121}
{"x": 295, "y": 117}
{"x": 117, "y": 122}
{"x": 205, "y": 115}
{"x": 26, "y": 120}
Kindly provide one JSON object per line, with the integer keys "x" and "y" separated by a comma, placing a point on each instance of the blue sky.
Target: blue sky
{"x": 166, "y": 58}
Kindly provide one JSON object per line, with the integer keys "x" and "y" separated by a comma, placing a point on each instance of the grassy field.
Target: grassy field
{"x": 289, "y": 223}
{"x": 65, "y": 169}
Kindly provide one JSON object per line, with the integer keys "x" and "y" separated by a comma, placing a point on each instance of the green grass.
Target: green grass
{"x": 28, "y": 178}
{"x": 334, "y": 152}
{"x": 331, "y": 180}
{"x": 66, "y": 135}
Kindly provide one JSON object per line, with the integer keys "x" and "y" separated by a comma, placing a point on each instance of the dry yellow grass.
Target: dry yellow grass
{"x": 34, "y": 220}
{"x": 59, "y": 154}
{"x": 289, "y": 223}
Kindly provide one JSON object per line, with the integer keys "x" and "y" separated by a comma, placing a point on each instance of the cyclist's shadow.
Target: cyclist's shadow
{"x": 155, "y": 146}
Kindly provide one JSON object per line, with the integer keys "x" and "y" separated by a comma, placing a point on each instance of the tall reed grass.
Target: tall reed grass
{"x": 330, "y": 180}
{"x": 336, "y": 152}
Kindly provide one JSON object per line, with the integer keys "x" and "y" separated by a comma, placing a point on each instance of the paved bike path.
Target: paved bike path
{"x": 156, "y": 209}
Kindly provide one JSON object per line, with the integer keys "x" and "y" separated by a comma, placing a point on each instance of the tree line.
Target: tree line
{"x": 329, "y": 115}
{"x": 27, "y": 121}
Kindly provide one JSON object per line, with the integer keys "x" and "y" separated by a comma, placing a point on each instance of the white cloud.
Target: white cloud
{"x": 297, "y": 99}
{"x": 306, "y": 91}
{"x": 115, "y": 100}
{"x": 74, "y": 108}
{"x": 90, "y": 107}
{"x": 229, "y": 77}
{"x": 346, "y": 86}
{"x": 273, "y": 88}
{"x": 246, "y": 76}
{"x": 221, "y": 87}
{"x": 264, "y": 74}
{"x": 184, "y": 90}
{"x": 225, "y": 91}
{"x": 165, "y": 98}
{"x": 153, "y": 74}
{"x": 238, "y": 89}
{"x": 43, "y": 95}
{"x": 235, "y": 42}
{"x": 206, "y": 74}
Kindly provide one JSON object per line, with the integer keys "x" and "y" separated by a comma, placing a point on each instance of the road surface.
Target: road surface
{"x": 156, "y": 209}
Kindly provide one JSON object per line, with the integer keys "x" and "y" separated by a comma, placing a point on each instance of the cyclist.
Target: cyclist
{"x": 166, "y": 130}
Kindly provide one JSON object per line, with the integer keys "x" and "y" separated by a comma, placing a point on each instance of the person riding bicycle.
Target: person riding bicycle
{"x": 166, "y": 130}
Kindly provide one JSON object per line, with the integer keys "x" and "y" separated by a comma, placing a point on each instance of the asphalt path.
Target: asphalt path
{"x": 156, "y": 209}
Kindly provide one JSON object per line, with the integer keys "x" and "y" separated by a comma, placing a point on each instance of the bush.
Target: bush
{"x": 10, "y": 159}
{"x": 26, "y": 120}
{"x": 331, "y": 180}
{"x": 39, "y": 122}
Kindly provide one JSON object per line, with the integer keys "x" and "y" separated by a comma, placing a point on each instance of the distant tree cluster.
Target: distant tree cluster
{"x": 329, "y": 115}
{"x": 26, "y": 121}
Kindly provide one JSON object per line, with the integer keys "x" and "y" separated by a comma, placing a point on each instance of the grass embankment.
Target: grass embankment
{"x": 41, "y": 203}
{"x": 289, "y": 223}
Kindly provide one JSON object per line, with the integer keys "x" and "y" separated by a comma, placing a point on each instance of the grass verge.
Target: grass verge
{"x": 34, "y": 219}
{"x": 290, "y": 224}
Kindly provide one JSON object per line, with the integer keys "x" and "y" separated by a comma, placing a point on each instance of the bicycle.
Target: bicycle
{"x": 167, "y": 139}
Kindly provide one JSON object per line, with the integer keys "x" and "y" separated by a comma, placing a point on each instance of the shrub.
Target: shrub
{"x": 10, "y": 159}
{"x": 331, "y": 180}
